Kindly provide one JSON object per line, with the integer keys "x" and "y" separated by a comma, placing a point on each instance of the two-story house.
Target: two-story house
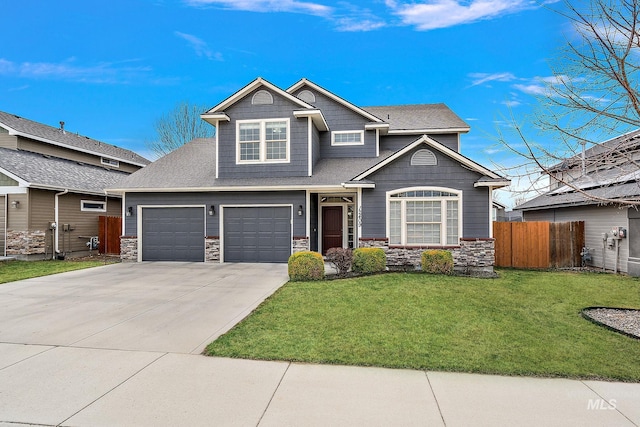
{"x": 52, "y": 188}
{"x": 304, "y": 169}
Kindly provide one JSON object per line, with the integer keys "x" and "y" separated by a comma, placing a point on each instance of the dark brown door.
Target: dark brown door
{"x": 331, "y": 227}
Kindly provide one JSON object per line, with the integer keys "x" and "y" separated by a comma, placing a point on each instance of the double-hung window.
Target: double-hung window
{"x": 424, "y": 216}
{"x": 263, "y": 140}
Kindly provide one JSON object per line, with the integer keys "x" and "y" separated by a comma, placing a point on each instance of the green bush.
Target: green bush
{"x": 369, "y": 260}
{"x": 437, "y": 261}
{"x": 306, "y": 265}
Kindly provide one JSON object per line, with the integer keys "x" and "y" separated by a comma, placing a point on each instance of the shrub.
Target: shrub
{"x": 306, "y": 265}
{"x": 340, "y": 259}
{"x": 437, "y": 261}
{"x": 369, "y": 260}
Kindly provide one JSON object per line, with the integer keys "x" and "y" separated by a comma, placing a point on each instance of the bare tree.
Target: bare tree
{"x": 178, "y": 127}
{"x": 591, "y": 97}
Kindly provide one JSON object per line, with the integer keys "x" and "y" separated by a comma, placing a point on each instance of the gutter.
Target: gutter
{"x": 55, "y": 223}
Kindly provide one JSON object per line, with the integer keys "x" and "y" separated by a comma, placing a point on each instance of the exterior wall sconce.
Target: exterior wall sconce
{"x": 300, "y": 211}
{"x": 129, "y": 211}
{"x": 15, "y": 204}
{"x": 212, "y": 210}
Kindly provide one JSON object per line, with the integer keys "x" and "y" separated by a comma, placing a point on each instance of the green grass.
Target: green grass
{"x": 11, "y": 271}
{"x": 524, "y": 323}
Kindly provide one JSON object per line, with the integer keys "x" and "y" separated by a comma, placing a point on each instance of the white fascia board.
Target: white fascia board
{"x": 494, "y": 184}
{"x": 317, "y": 117}
{"x": 428, "y": 131}
{"x": 383, "y": 128}
{"x": 12, "y": 190}
{"x": 214, "y": 189}
{"x": 14, "y": 132}
{"x": 434, "y": 144}
{"x": 344, "y": 102}
{"x": 356, "y": 185}
{"x": 252, "y": 86}
{"x": 214, "y": 118}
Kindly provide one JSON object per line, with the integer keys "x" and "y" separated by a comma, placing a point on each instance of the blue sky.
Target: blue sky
{"x": 110, "y": 69}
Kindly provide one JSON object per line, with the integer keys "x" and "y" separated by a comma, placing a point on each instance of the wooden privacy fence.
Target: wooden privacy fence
{"x": 538, "y": 244}
{"x": 110, "y": 230}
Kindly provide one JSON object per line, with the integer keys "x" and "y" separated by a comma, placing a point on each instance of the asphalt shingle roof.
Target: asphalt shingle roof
{"x": 193, "y": 166}
{"x": 417, "y": 116}
{"x": 41, "y": 170}
{"x": 83, "y": 143}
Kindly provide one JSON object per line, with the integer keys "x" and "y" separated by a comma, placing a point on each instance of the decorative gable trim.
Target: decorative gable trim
{"x": 424, "y": 157}
{"x": 424, "y": 139}
{"x": 259, "y": 82}
{"x": 262, "y": 97}
{"x": 336, "y": 98}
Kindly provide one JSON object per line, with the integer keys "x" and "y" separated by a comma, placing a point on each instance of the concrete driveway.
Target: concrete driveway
{"x": 162, "y": 307}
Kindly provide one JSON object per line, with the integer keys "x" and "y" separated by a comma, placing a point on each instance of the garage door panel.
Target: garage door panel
{"x": 257, "y": 234}
{"x": 173, "y": 234}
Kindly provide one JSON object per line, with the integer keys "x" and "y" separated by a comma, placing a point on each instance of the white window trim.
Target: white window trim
{"x": 110, "y": 162}
{"x": 99, "y": 202}
{"x": 263, "y": 142}
{"x": 443, "y": 228}
{"x": 335, "y": 132}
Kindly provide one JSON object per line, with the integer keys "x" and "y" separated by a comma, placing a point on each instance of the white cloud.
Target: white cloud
{"x": 104, "y": 72}
{"x": 482, "y": 78}
{"x": 532, "y": 89}
{"x": 433, "y": 14}
{"x": 199, "y": 46}
{"x": 267, "y": 6}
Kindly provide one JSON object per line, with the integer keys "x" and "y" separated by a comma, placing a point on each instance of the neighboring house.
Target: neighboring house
{"x": 607, "y": 171}
{"x": 52, "y": 186}
{"x": 303, "y": 169}
{"x": 498, "y": 212}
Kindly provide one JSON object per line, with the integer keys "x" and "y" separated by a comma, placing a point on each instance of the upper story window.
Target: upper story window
{"x": 424, "y": 216}
{"x": 93, "y": 206}
{"x": 111, "y": 162}
{"x": 262, "y": 140}
{"x": 347, "y": 137}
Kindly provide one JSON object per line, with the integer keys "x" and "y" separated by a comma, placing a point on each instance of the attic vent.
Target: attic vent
{"x": 424, "y": 158}
{"x": 307, "y": 96}
{"x": 262, "y": 97}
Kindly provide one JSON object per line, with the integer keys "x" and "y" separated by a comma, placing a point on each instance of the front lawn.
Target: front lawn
{"x": 18, "y": 270}
{"x": 524, "y": 323}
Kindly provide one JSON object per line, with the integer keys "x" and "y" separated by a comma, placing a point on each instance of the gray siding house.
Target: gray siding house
{"x": 52, "y": 188}
{"x": 585, "y": 188}
{"x": 303, "y": 169}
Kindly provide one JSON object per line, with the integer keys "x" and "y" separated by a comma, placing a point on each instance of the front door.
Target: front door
{"x": 331, "y": 227}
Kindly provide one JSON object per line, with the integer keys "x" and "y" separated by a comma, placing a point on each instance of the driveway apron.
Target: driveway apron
{"x": 162, "y": 307}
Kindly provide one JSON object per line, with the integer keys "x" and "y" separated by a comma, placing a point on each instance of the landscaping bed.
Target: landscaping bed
{"x": 522, "y": 323}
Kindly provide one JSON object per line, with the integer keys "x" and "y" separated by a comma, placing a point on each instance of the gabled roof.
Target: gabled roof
{"x": 424, "y": 118}
{"x": 304, "y": 82}
{"x": 217, "y": 113}
{"x": 36, "y": 170}
{"x": 17, "y": 125}
{"x": 489, "y": 178}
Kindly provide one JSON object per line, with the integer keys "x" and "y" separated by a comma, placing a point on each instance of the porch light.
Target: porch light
{"x": 300, "y": 211}
{"x": 15, "y": 204}
{"x": 212, "y": 210}
{"x": 129, "y": 211}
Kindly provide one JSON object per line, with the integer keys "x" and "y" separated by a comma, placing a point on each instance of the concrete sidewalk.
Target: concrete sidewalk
{"x": 72, "y": 386}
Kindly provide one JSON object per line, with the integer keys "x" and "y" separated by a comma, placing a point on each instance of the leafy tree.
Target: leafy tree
{"x": 179, "y": 126}
{"x": 591, "y": 97}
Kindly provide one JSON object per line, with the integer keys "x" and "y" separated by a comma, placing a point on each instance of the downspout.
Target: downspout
{"x": 6, "y": 215}
{"x": 56, "y": 215}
